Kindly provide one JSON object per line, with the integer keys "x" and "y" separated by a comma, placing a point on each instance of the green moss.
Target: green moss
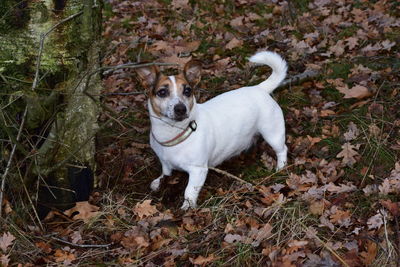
{"x": 339, "y": 70}
{"x": 347, "y": 32}
{"x": 301, "y": 5}
{"x": 253, "y": 172}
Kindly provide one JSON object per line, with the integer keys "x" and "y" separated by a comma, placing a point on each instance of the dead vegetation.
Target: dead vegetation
{"x": 337, "y": 202}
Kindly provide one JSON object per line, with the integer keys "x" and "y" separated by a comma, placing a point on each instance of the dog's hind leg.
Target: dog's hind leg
{"x": 276, "y": 139}
{"x": 166, "y": 171}
{"x": 197, "y": 177}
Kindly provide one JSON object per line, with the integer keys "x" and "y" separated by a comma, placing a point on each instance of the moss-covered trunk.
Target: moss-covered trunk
{"x": 62, "y": 103}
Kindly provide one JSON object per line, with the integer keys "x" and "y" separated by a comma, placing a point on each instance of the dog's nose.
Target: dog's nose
{"x": 180, "y": 109}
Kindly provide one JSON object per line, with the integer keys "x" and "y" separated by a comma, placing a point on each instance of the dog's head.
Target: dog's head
{"x": 171, "y": 96}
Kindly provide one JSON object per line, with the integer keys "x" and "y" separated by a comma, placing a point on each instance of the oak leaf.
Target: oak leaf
{"x": 200, "y": 260}
{"x": 317, "y": 207}
{"x": 357, "y": 91}
{"x": 393, "y": 207}
{"x": 231, "y": 238}
{"x": 184, "y": 4}
{"x": 4, "y": 260}
{"x": 64, "y": 256}
{"x": 85, "y": 211}
{"x": 340, "y": 217}
{"x": 369, "y": 256}
{"x": 45, "y": 247}
{"x": 375, "y": 222}
{"x": 348, "y": 154}
{"x": 174, "y": 59}
{"x": 352, "y": 132}
{"x": 258, "y": 235}
{"x": 145, "y": 209}
{"x": 234, "y": 43}
{"x": 5, "y": 241}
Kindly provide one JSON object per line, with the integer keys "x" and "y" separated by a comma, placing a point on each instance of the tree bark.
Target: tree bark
{"x": 65, "y": 37}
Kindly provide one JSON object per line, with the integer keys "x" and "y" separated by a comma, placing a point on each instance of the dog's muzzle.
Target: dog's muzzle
{"x": 180, "y": 112}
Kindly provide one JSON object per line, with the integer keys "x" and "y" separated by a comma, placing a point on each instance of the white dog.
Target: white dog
{"x": 191, "y": 137}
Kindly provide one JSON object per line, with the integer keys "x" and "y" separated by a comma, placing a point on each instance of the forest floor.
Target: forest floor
{"x": 336, "y": 203}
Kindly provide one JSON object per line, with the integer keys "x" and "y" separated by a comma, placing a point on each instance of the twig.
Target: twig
{"x": 396, "y": 221}
{"x": 4, "y": 176}
{"x": 130, "y": 93}
{"x": 342, "y": 261}
{"x": 80, "y": 245}
{"x": 229, "y": 175}
{"x": 134, "y": 66}
{"x": 299, "y": 78}
{"x": 30, "y": 201}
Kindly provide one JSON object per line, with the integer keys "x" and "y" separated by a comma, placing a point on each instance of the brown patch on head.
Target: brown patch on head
{"x": 192, "y": 72}
{"x": 182, "y": 84}
{"x": 162, "y": 82}
{"x": 165, "y": 92}
{"x": 148, "y": 75}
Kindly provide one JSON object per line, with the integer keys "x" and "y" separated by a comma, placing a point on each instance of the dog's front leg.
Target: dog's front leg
{"x": 166, "y": 171}
{"x": 197, "y": 177}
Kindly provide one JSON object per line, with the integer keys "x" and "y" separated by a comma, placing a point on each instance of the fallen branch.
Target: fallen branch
{"x": 230, "y": 175}
{"x": 80, "y": 245}
{"x": 299, "y": 78}
{"x": 110, "y": 69}
{"x": 396, "y": 221}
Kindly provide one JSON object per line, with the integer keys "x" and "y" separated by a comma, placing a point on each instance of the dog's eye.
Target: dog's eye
{"x": 162, "y": 93}
{"x": 187, "y": 91}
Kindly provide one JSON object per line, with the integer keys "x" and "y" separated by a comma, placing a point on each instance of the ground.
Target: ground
{"x": 335, "y": 204}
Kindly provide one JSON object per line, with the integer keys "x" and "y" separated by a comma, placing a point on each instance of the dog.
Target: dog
{"x": 191, "y": 137}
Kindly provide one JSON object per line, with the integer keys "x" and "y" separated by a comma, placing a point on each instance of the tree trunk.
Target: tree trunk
{"x": 63, "y": 38}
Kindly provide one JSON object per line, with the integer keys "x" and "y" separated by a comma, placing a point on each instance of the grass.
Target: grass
{"x": 126, "y": 170}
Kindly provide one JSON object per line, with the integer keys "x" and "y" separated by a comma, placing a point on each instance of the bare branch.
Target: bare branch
{"x": 80, "y": 245}
{"x": 299, "y": 78}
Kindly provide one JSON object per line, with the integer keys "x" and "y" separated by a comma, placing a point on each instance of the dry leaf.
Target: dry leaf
{"x": 237, "y": 22}
{"x": 230, "y": 238}
{"x": 357, "y": 91}
{"x": 338, "y": 48}
{"x": 375, "y": 222}
{"x": 317, "y": 207}
{"x": 64, "y": 256}
{"x": 340, "y": 217}
{"x": 174, "y": 59}
{"x": 4, "y": 260}
{"x": 369, "y": 256}
{"x": 45, "y": 247}
{"x": 176, "y": 4}
{"x": 393, "y": 207}
{"x": 200, "y": 260}
{"x": 374, "y": 130}
{"x": 5, "y": 241}
{"x": 135, "y": 238}
{"x": 145, "y": 209}
{"x": 76, "y": 237}
{"x": 83, "y": 210}
{"x": 233, "y": 43}
{"x": 348, "y": 154}
{"x": 258, "y": 235}
{"x": 352, "y": 132}
{"x": 351, "y": 42}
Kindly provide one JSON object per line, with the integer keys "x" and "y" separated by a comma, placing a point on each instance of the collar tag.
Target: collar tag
{"x": 182, "y": 136}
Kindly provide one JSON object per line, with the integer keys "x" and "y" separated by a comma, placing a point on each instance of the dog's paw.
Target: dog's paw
{"x": 155, "y": 184}
{"x": 280, "y": 166}
{"x": 187, "y": 204}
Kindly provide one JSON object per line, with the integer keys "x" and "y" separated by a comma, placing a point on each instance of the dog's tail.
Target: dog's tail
{"x": 278, "y": 66}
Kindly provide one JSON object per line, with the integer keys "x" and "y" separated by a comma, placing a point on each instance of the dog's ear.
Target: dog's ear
{"x": 192, "y": 72}
{"x": 148, "y": 76}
